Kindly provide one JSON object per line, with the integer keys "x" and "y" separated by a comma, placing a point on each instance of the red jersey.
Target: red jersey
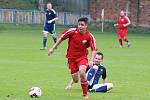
{"x": 78, "y": 43}
{"x": 122, "y": 20}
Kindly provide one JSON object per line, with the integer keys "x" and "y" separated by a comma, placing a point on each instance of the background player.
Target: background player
{"x": 123, "y": 23}
{"x": 79, "y": 40}
{"x": 93, "y": 75}
{"x": 49, "y": 25}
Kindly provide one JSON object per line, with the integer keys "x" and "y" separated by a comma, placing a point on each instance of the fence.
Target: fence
{"x": 81, "y": 6}
{"x": 12, "y": 16}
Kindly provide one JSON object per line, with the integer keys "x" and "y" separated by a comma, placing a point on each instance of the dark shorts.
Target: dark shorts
{"x": 102, "y": 89}
{"x": 99, "y": 88}
{"x": 49, "y": 28}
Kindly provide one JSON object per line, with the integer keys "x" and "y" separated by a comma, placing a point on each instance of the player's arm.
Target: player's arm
{"x": 104, "y": 81}
{"x": 54, "y": 19}
{"x": 109, "y": 85}
{"x": 66, "y": 34}
{"x": 128, "y": 22}
{"x": 93, "y": 50}
{"x": 51, "y": 50}
{"x": 116, "y": 24}
{"x": 93, "y": 53}
{"x": 104, "y": 76}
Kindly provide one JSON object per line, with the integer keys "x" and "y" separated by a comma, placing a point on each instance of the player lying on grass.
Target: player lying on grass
{"x": 93, "y": 75}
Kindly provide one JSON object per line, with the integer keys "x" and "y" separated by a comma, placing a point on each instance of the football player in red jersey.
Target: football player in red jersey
{"x": 79, "y": 40}
{"x": 123, "y": 23}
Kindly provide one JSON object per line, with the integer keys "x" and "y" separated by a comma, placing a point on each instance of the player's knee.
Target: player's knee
{"x": 75, "y": 80}
{"x": 109, "y": 86}
{"x": 82, "y": 70}
{"x": 120, "y": 39}
{"x": 82, "y": 75}
{"x": 53, "y": 35}
{"x": 124, "y": 38}
{"x": 45, "y": 34}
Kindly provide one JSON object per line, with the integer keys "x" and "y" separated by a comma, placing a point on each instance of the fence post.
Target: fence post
{"x": 102, "y": 19}
{"x": 65, "y": 18}
{"x": 33, "y": 17}
{"x": 14, "y": 16}
{"x": 138, "y": 11}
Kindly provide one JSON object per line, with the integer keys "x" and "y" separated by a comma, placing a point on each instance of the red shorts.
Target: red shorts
{"x": 122, "y": 33}
{"x": 75, "y": 63}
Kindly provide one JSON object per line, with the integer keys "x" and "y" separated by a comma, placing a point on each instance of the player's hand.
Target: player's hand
{"x": 115, "y": 24}
{"x": 124, "y": 25}
{"x": 50, "y": 21}
{"x": 91, "y": 63}
{"x": 50, "y": 51}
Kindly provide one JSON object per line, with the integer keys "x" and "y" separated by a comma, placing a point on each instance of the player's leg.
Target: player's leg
{"x": 101, "y": 87}
{"x": 120, "y": 43}
{"x": 75, "y": 77}
{"x": 73, "y": 70}
{"x": 69, "y": 85}
{"x": 79, "y": 69}
{"x": 119, "y": 38}
{"x": 45, "y": 33}
{"x": 53, "y": 32}
{"x": 125, "y": 39}
{"x": 82, "y": 72}
{"x": 72, "y": 81}
{"x": 128, "y": 43}
{"x": 83, "y": 80}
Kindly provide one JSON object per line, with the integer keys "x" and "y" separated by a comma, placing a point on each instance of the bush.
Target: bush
{"x": 18, "y": 4}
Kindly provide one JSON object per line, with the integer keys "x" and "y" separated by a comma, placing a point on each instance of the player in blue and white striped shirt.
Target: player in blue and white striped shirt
{"x": 49, "y": 25}
{"x": 93, "y": 75}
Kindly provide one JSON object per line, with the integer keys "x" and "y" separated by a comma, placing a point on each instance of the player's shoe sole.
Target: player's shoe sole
{"x": 120, "y": 46}
{"x": 86, "y": 98}
{"x": 91, "y": 90}
{"x": 42, "y": 48}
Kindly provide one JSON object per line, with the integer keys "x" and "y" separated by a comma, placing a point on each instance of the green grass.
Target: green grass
{"x": 23, "y": 65}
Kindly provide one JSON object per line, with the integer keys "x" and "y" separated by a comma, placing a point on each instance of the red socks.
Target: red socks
{"x": 126, "y": 40}
{"x": 84, "y": 86}
{"x": 120, "y": 42}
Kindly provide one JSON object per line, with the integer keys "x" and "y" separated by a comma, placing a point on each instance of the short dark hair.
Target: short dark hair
{"x": 99, "y": 53}
{"x": 84, "y": 19}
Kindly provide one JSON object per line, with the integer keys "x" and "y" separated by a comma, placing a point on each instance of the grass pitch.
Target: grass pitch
{"x": 23, "y": 65}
